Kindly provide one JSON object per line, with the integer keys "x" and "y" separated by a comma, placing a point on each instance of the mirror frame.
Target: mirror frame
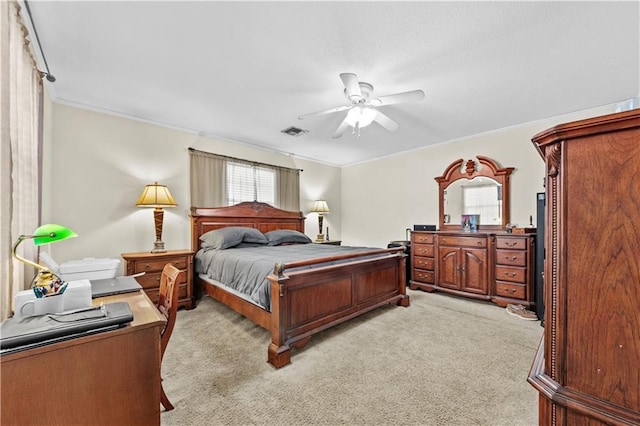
{"x": 489, "y": 169}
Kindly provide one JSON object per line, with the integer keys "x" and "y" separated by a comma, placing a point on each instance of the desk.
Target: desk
{"x": 110, "y": 378}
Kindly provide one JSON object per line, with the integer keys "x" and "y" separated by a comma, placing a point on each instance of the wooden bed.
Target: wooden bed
{"x": 304, "y": 302}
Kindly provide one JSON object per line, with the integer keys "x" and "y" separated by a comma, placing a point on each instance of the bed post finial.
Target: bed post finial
{"x": 278, "y": 270}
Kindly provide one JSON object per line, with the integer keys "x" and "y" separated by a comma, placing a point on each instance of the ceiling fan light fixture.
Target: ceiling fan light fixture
{"x": 360, "y": 116}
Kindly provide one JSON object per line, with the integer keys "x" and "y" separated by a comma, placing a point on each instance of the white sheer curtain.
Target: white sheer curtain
{"x": 208, "y": 174}
{"x": 20, "y": 118}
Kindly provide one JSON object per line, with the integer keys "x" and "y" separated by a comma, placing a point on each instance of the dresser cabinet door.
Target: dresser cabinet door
{"x": 449, "y": 267}
{"x": 474, "y": 271}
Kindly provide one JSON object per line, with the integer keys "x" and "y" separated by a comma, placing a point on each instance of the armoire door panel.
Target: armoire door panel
{"x": 587, "y": 369}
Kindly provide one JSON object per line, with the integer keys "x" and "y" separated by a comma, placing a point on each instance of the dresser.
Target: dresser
{"x": 587, "y": 369}
{"x": 108, "y": 378}
{"x": 492, "y": 266}
{"x": 153, "y": 263}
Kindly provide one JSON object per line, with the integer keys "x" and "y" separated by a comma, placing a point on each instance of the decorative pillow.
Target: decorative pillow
{"x": 231, "y": 236}
{"x": 286, "y": 236}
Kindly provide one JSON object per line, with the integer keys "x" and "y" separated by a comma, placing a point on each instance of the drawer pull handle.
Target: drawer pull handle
{"x": 511, "y": 258}
{"x": 510, "y": 290}
{"x": 444, "y": 241}
{"x": 513, "y": 274}
{"x": 147, "y": 266}
{"x": 510, "y": 243}
{"x": 479, "y": 243}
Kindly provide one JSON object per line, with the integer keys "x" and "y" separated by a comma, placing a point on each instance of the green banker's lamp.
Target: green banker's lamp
{"x": 46, "y": 283}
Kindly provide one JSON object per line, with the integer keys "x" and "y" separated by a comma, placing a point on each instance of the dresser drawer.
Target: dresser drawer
{"x": 423, "y": 250}
{"x": 507, "y": 273}
{"x": 423, "y": 276}
{"x": 510, "y": 290}
{"x": 511, "y": 257}
{"x": 423, "y": 263}
{"x": 423, "y": 238}
{"x": 156, "y": 265}
{"x": 511, "y": 243}
{"x": 462, "y": 241}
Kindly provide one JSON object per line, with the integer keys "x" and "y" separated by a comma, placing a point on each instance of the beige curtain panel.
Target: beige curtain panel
{"x": 208, "y": 181}
{"x": 20, "y": 151}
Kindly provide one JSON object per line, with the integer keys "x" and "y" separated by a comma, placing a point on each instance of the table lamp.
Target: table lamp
{"x": 320, "y": 207}
{"x": 157, "y": 196}
{"x": 46, "y": 283}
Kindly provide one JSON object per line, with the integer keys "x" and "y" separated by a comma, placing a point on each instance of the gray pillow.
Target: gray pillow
{"x": 286, "y": 236}
{"x": 231, "y": 236}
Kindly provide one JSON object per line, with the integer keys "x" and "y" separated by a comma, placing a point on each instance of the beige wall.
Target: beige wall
{"x": 96, "y": 166}
{"x": 381, "y": 198}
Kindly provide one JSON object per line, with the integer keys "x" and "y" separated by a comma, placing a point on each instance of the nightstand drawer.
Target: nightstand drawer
{"x": 156, "y": 265}
{"x": 153, "y": 294}
{"x": 153, "y": 280}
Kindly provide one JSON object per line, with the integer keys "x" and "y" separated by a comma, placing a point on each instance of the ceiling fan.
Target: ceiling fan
{"x": 363, "y": 109}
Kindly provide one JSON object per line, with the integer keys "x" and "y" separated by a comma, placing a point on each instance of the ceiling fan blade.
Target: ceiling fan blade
{"x": 414, "y": 95}
{"x": 386, "y": 122}
{"x": 341, "y": 129}
{"x": 350, "y": 82}
{"x": 326, "y": 111}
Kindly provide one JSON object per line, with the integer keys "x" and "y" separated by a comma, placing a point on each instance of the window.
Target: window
{"x": 485, "y": 201}
{"x": 246, "y": 182}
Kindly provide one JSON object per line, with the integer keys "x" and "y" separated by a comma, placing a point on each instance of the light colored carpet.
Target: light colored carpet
{"x": 442, "y": 361}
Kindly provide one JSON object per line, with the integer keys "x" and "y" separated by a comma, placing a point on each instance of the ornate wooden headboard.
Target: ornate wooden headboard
{"x": 252, "y": 214}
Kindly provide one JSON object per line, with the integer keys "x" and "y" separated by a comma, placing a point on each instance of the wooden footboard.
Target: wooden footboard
{"x": 307, "y": 301}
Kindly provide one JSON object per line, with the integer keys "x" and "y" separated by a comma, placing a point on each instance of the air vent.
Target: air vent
{"x": 294, "y": 131}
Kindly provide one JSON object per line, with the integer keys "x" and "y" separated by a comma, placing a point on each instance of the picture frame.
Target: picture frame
{"x": 470, "y": 222}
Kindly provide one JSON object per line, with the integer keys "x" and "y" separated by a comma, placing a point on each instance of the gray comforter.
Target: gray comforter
{"x": 246, "y": 269}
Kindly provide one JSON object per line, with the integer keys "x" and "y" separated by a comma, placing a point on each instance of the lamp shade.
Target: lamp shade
{"x": 320, "y": 206}
{"x": 362, "y": 116}
{"x": 50, "y": 233}
{"x": 156, "y": 195}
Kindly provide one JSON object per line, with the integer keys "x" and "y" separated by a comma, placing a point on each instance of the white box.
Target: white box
{"x": 89, "y": 268}
{"x": 76, "y": 296}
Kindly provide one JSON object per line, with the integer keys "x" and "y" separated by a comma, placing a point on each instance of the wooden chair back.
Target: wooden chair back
{"x": 168, "y": 300}
{"x": 168, "y": 306}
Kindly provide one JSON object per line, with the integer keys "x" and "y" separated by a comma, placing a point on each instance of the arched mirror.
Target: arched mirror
{"x": 475, "y": 198}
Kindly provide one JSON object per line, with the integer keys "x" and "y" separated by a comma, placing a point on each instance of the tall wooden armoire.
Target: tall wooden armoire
{"x": 587, "y": 369}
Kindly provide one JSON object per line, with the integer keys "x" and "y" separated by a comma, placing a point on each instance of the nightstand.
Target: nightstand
{"x": 152, "y": 263}
{"x": 330, "y": 242}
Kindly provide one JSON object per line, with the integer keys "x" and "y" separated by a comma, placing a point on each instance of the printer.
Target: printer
{"x": 88, "y": 268}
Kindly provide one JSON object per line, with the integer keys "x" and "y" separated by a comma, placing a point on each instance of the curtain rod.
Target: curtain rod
{"x": 255, "y": 163}
{"x": 46, "y": 74}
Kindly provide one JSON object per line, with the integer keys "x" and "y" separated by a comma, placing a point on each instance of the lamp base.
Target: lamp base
{"x": 158, "y": 247}
{"x": 319, "y": 238}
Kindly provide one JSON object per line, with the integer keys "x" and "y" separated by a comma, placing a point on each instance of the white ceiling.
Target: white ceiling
{"x": 244, "y": 71}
